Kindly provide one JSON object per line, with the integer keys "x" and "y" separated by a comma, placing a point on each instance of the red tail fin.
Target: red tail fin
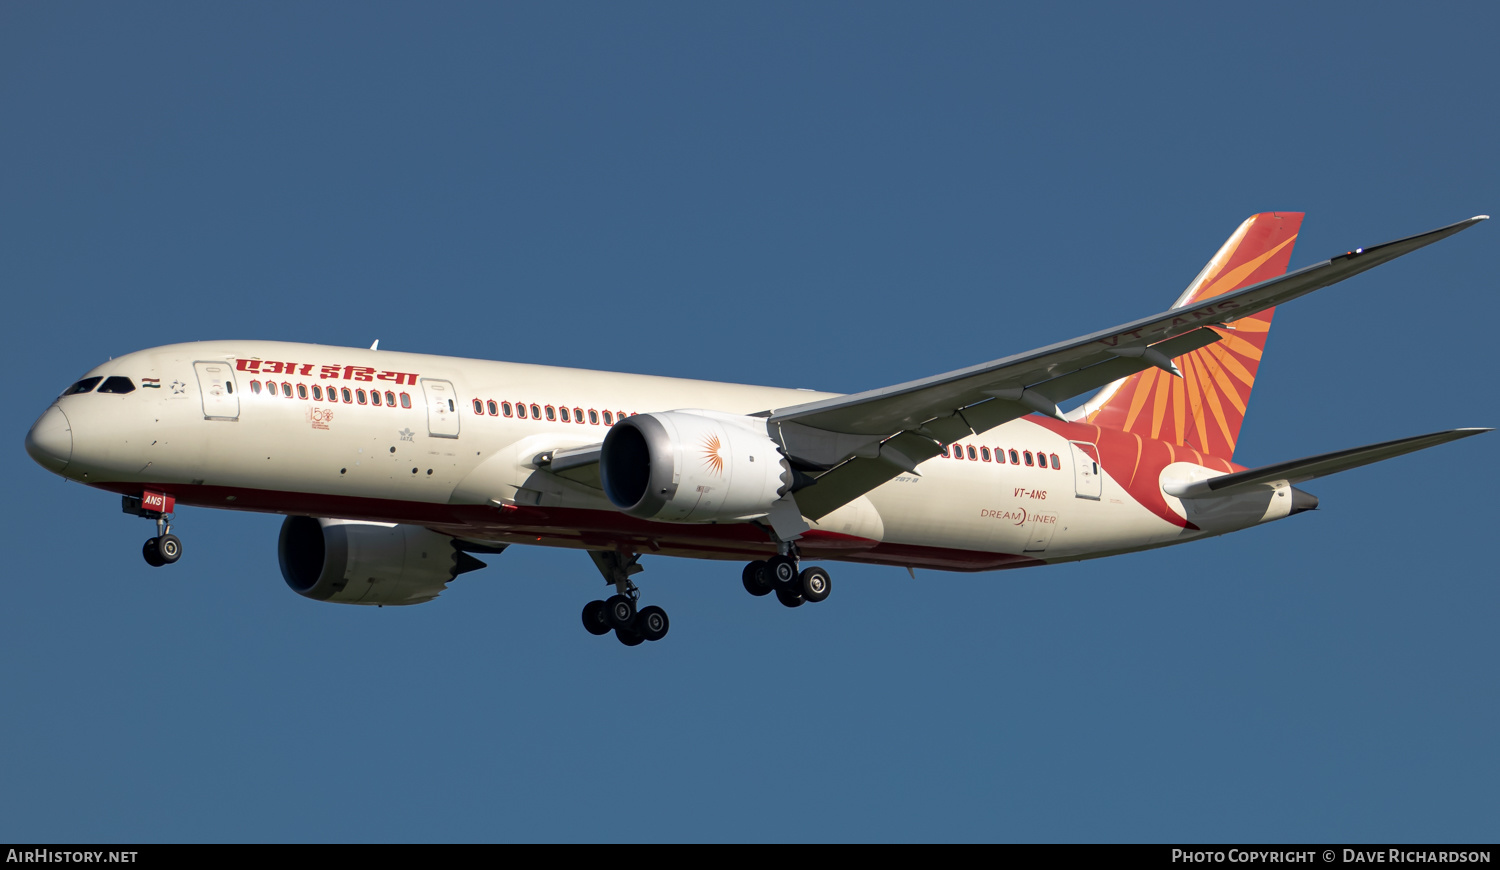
{"x": 1206, "y": 406}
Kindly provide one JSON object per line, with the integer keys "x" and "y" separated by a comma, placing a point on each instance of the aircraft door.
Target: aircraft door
{"x": 1088, "y": 482}
{"x": 442, "y": 408}
{"x": 216, "y": 386}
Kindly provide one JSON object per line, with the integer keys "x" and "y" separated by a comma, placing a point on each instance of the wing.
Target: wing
{"x": 865, "y": 439}
{"x": 578, "y": 464}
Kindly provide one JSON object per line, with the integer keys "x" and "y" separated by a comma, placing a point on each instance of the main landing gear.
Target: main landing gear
{"x": 780, "y": 574}
{"x": 619, "y": 613}
{"x": 165, "y": 548}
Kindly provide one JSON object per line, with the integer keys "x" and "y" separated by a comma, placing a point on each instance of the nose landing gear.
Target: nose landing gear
{"x": 165, "y": 548}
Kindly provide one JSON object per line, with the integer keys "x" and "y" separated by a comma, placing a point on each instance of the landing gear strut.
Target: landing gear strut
{"x": 165, "y": 548}
{"x": 619, "y": 612}
{"x": 781, "y": 574}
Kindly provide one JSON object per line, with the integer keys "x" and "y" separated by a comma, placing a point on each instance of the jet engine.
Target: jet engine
{"x": 693, "y": 467}
{"x": 351, "y": 562}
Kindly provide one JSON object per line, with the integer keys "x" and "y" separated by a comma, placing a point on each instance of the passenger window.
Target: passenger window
{"x": 593, "y": 417}
{"x": 270, "y": 388}
{"x": 619, "y": 415}
{"x": 286, "y": 389}
{"x": 374, "y": 397}
{"x": 984, "y": 454}
{"x": 609, "y": 419}
{"x": 1027, "y": 455}
{"x": 1056, "y": 463}
{"x": 536, "y": 411}
{"x": 551, "y": 413}
{"x": 255, "y": 387}
{"x": 333, "y": 395}
{"x": 360, "y": 395}
{"x": 945, "y": 453}
{"x": 972, "y": 455}
{"x": 82, "y": 386}
{"x": 493, "y": 408}
{"x": 577, "y": 415}
{"x": 406, "y": 400}
{"x": 302, "y": 391}
{"x": 390, "y": 398}
{"x": 1015, "y": 458}
{"x": 478, "y": 407}
{"x": 521, "y": 411}
{"x": 348, "y": 396}
{"x": 564, "y": 412}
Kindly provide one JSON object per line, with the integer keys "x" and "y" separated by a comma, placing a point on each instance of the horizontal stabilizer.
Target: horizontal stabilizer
{"x": 1299, "y": 470}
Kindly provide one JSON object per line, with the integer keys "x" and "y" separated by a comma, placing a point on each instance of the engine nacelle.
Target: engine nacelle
{"x": 692, "y": 467}
{"x": 351, "y": 562}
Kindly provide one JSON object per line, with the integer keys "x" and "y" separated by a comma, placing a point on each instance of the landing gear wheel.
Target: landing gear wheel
{"x": 652, "y": 623}
{"x": 593, "y": 618}
{"x": 782, "y": 572}
{"x": 619, "y": 612}
{"x": 816, "y": 584}
{"x": 788, "y": 597}
{"x": 169, "y": 548}
{"x": 152, "y": 554}
{"x": 629, "y": 637}
{"x": 756, "y": 579}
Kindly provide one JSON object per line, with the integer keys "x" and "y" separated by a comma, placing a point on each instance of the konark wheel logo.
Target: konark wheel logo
{"x": 711, "y": 456}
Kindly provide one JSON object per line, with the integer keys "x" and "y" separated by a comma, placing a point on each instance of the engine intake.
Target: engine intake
{"x": 350, "y": 562}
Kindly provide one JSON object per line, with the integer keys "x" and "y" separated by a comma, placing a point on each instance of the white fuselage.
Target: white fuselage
{"x": 455, "y": 454}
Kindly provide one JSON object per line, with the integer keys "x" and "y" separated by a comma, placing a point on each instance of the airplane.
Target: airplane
{"x": 396, "y": 471}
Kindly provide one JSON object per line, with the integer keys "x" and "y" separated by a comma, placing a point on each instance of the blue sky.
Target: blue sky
{"x": 833, "y": 196}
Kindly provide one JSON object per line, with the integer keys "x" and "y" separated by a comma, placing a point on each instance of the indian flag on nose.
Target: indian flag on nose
{"x": 151, "y": 382}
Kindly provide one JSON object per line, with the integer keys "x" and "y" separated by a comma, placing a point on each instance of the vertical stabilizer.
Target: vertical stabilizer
{"x": 1205, "y": 407}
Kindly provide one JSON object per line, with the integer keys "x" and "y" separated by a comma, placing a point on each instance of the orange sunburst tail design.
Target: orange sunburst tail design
{"x": 1206, "y": 407}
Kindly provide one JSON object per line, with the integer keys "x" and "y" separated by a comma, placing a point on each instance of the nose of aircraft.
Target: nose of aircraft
{"x": 50, "y": 441}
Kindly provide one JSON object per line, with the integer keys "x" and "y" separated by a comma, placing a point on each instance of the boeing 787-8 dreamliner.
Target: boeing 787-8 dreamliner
{"x": 396, "y": 470}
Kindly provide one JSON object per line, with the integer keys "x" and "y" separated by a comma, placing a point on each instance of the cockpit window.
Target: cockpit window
{"x": 82, "y": 386}
{"x": 117, "y": 384}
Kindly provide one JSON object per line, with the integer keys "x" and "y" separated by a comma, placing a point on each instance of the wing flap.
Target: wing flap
{"x": 899, "y": 455}
{"x": 1299, "y": 470}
